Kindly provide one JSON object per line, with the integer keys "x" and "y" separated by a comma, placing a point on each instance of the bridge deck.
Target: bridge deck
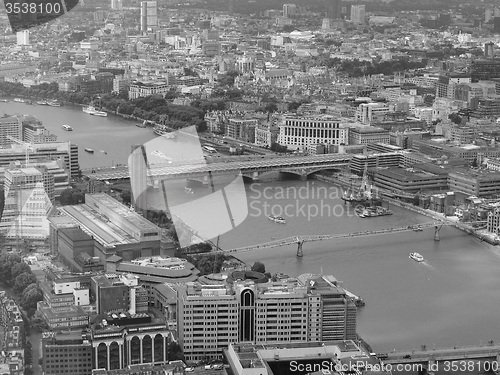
{"x": 183, "y": 168}
{"x": 311, "y": 238}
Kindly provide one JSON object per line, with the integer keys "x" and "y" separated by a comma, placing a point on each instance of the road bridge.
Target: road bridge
{"x": 300, "y": 240}
{"x": 300, "y": 165}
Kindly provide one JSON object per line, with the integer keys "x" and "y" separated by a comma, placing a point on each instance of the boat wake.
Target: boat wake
{"x": 429, "y": 266}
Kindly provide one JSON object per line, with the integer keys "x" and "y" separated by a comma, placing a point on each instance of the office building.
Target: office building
{"x": 368, "y": 113}
{"x": 23, "y": 38}
{"x": 10, "y": 127}
{"x": 243, "y": 129}
{"x": 368, "y": 134}
{"x": 64, "y": 292}
{"x": 358, "y": 163}
{"x": 289, "y": 10}
{"x": 411, "y": 180}
{"x": 41, "y": 152}
{"x": 66, "y": 353}
{"x": 304, "y": 133}
{"x": 479, "y": 183}
{"x": 358, "y": 14}
{"x": 119, "y": 293}
{"x": 139, "y": 89}
{"x": 149, "y": 16}
{"x": 115, "y": 228}
{"x": 27, "y": 204}
{"x": 248, "y": 309}
{"x": 485, "y": 69}
{"x": 122, "y": 339}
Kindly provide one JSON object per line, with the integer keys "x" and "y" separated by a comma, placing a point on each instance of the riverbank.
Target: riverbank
{"x": 450, "y": 220}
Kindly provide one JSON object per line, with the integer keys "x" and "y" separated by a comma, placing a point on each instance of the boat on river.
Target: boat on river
{"x": 416, "y": 257}
{"x": 277, "y": 219}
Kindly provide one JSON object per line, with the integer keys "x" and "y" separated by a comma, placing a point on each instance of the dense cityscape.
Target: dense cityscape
{"x": 249, "y": 188}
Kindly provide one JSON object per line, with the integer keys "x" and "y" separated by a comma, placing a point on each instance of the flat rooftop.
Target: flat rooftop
{"x": 104, "y": 231}
{"x": 120, "y": 209}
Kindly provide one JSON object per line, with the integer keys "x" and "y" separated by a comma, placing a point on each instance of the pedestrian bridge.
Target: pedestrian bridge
{"x": 299, "y": 165}
{"x": 299, "y": 240}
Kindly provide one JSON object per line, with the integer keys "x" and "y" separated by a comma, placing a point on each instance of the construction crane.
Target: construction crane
{"x": 29, "y": 147}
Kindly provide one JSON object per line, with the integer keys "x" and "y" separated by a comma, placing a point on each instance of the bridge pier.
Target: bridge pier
{"x": 300, "y": 254}
{"x": 436, "y": 233}
{"x": 255, "y": 176}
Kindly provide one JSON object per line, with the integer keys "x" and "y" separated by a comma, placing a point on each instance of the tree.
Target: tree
{"x": 126, "y": 196}
{"x": 38, "y": 323}
{"x": 276, "y": 147}
{"x": 19, "y": 268}
{"x": 455, "y": 117}
{"x": 174, "y": 352}
{"x": 72, "y": 196}
{"x": 23, "y": 280}
{"x": 474, "y": 163}
{"x": 416, "y": 200}
{"x": 259, "y": 267}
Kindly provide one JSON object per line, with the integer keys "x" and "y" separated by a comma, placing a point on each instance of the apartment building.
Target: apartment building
{"x": 303, "y": 309}
{"x": 306, "y": 132}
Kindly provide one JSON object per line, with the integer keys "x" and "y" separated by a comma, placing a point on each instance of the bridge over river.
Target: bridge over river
{"x": 299, "y": 240}
{"x": 301, "y": 165}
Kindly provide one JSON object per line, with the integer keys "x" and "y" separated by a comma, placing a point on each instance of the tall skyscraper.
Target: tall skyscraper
{"x": 116, "y": 4}
{"x": 289, "y": 10}
{"x": 496, "y": 25}
{"x": 358, "y": 14}
{"x": 149, "y": 16}
{"x": 489, "y": 49}
{"x": 138, "y": 167}
{"x": 333, "y": 8}
{"x": 23, "y": 38}
{"x": 488, "y": 15}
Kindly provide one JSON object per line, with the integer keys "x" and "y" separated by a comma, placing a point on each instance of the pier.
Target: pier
{"x": 299, "y": 240}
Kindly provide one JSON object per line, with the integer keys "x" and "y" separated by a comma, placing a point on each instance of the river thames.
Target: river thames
{"x": 451, "y": 299}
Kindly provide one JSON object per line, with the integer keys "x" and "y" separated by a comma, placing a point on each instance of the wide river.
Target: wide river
{"x": 451, "y": 299}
